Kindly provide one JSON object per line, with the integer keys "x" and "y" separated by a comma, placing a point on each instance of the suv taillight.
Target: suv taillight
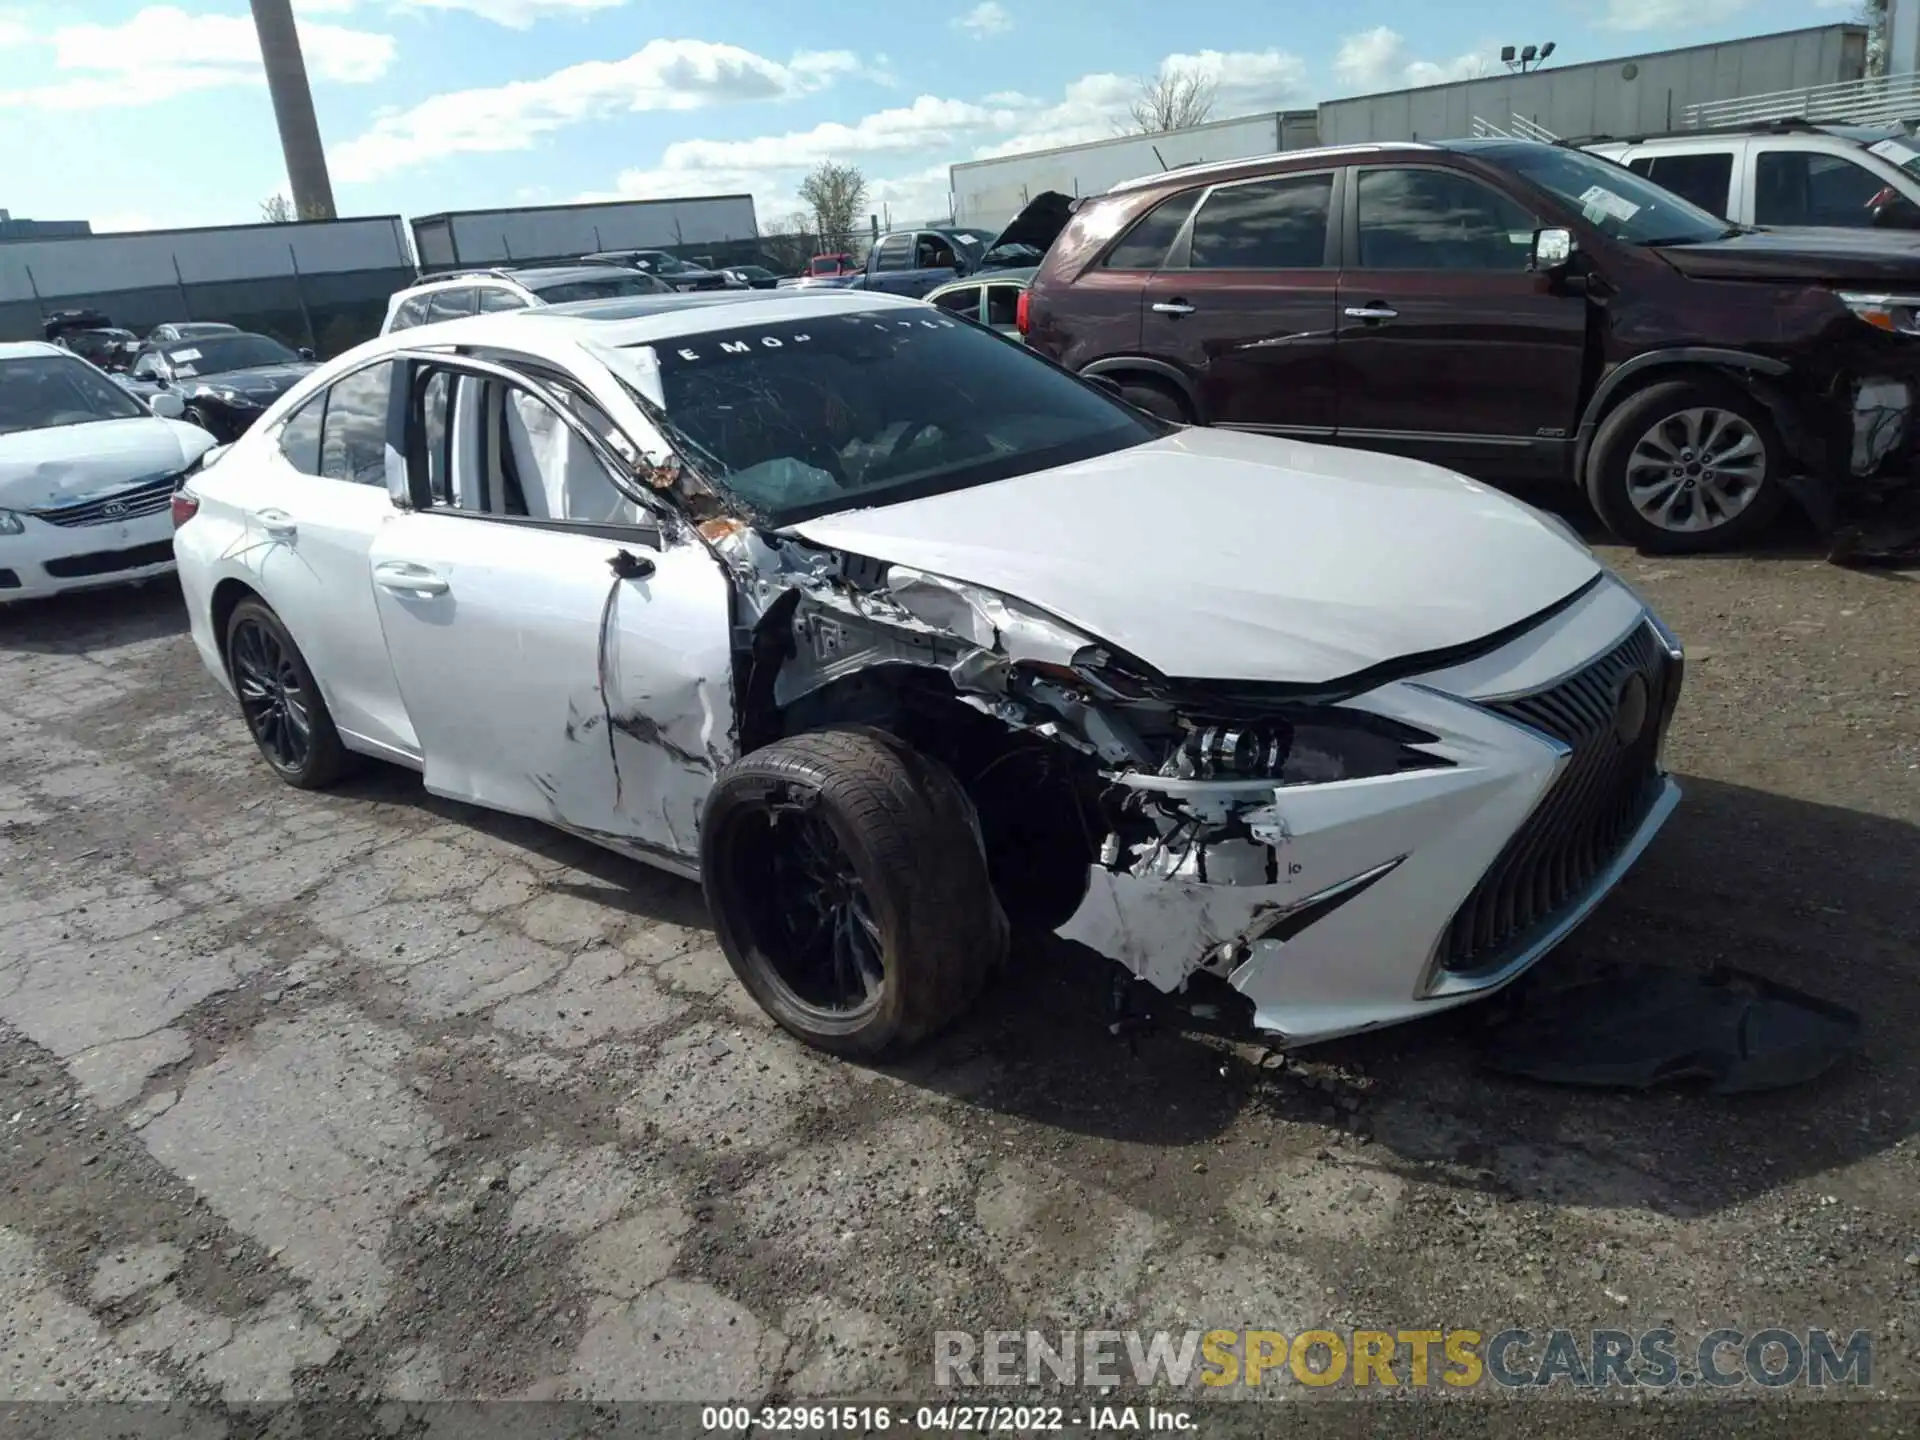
{"x": 185, "y": 506}
{"x": 1023, "y": 312}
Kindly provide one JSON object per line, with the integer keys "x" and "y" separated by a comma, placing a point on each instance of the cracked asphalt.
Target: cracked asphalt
{"x": 368, "y": 1095}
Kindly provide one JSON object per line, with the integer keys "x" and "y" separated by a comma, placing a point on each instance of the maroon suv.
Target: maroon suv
{"x": 1512, "y": 310}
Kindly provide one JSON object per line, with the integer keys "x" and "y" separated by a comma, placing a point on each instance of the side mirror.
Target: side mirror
{"x": 1899, "y": 213}
{"x": 166, "y": 406}
{"x": 1552, "y": 250}
{"x": 305, "y": 352}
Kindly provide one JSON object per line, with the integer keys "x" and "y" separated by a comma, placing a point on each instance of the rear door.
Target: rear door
{"x": 1098, "y": 315}
{"x": 1451, "y": 349}
{"x": 311, "y": 529}
{"x": 1712, "y": 177}
{"x": 961, "y": 300}
{"x": 1244, "y": 303}
{"x": 562, "y": 655}
{"x": 934, "y": 263}
{"x": 891, "y": 265}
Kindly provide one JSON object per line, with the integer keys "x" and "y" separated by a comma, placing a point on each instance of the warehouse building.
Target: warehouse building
{"x": 318, "y": 283}
{"x": 1635, "y": 93}
{"x": 720, "y": 227}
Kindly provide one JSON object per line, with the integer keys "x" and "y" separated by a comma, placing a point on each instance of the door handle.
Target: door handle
{"x": 1172, "y": 307}
{"x": 277, "y": 523}
{"x": 406, "y": 578}
{"x": 1375, "y": 311}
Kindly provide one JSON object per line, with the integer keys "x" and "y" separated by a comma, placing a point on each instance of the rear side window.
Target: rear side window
{"x": 353, "y": 441}
{"x": 450, "y": 304}
{"x": 411, "y": 312}
{"x": 964, "y": 301}
{"x": 896, "y": 253}
{"x": 300, "y": 436}
{"x": 1705, "y": 179}
{"x": 494, "y": 298}
{"x": 1003, "y": 305}
{"x": 1806, "y": 187}
{"x": 1437, "y": 220}
{"x": 1146, "y": 244}
{"x": 1266, "y": 225}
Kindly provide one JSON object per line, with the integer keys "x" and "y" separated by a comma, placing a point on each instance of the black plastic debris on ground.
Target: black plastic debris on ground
{"x": 1636, "y": 1026}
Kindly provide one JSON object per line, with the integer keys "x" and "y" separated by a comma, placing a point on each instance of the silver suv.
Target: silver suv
{"x": 1786, "y": 174}
{"x": 454, "y": 296}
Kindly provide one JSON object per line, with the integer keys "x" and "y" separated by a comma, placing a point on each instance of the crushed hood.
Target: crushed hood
{"x": 1812, "y": 256}
{"x": 64, "y": 464}
{"x": 1216, "y": 555}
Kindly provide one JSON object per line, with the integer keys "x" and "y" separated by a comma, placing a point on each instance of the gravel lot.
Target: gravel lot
{"x": 367, "y": 1094}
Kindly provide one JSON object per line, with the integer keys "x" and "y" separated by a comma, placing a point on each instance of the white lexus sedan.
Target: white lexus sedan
{"x": 87, "y": 473}
{"x": 903, "y": 640}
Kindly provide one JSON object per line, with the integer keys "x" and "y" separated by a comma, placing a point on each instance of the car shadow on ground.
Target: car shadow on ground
{"x": 1806, "y": 895}
{"x": 88, "y": 619}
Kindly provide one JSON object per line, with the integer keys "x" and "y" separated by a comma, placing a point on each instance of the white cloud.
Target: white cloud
{"x": 162, "y": 51}
{"x": 662, "y": 75}
{"x": 518, "y": 14}
{"x": 905, "y": 150}
{"x": 987, "y": 18}
{"x": 1667, "y": 14}
{"x": 1379, "y": 59}
{"x": 14, "y": 32}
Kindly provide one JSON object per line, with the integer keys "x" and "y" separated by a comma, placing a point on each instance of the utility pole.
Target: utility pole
{"x": 293, "y": 109}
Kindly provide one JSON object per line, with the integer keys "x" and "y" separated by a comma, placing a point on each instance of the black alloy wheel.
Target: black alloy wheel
{"x": 280, "y": 701}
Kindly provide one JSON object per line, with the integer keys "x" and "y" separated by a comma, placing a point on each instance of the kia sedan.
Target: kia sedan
{"x": 904, "y": 641}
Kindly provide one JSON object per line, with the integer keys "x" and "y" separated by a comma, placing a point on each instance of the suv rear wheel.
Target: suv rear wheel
{"x": 1685, "y": 465}
{"x": 1155, "y": 397}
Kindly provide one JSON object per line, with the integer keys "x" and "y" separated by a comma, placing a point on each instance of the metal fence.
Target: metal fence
{"x": 1876, "y": 100}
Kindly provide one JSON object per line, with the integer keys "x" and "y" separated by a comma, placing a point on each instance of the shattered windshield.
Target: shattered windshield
{"x": 845, "y": 411}
{"x": 40, "y": 392}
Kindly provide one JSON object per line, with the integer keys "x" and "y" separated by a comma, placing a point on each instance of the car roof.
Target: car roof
{"x": 21, "y": 349}
{"x": 645, "y": 319}
{"x": 1261, "y": 162}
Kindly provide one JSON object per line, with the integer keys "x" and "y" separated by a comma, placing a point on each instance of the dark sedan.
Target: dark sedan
{"x": 224, "y": 381}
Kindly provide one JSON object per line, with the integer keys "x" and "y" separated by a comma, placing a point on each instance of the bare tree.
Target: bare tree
{"x": 1873, "y": 15}
{"x": 1172, "y": 100}
{"x": 791, "y": 242}
{"x": 276, "y": 209}
{"x": 835, "y": 196}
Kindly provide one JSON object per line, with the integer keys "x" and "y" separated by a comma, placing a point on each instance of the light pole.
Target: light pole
{"x": 293, "y": 109}
{"x": 1530, "y": 57}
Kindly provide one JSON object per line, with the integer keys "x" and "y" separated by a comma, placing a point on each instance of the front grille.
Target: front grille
{"x": 1587, "y": 815}
{"x": 105, "y": 562}
{"x": 144, "y": 499}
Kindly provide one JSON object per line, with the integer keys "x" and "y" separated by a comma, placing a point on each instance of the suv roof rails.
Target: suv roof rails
{"x": 466, "y": 272}
{"x": 1779, "y": 125}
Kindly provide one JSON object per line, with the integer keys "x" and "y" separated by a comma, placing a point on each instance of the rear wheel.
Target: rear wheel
{"x": 849, "y": 888}
{"x": 1687, "y": 465}
{"x": 280, "y": 701}
{"x": 194, "y": 415}
{"x": 1156, "y": 398}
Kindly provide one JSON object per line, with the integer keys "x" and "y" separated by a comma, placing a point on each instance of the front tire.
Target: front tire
{"x": 194, "y": 415}
{"x": 1687, "y": 465}
{"x": 847, "y": 881}
{"x": 280, "y": 701}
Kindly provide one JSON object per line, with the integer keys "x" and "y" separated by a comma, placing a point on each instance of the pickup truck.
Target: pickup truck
{"x": 910, "y": 262}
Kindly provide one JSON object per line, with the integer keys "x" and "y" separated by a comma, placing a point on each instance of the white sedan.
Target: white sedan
{"x": 87, "y": 473}
{"x": 902, "y": 639}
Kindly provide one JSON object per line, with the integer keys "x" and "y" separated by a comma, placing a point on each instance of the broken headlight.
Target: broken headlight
{"x": 1310, "y": 746}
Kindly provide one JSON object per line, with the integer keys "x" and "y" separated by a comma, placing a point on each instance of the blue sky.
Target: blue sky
{"x": 134, "y": 114}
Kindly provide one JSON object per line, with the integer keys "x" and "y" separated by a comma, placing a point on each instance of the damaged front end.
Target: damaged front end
{"x": 1344, "y": 857}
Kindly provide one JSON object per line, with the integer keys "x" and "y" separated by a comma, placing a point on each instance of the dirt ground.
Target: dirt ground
{"x": 370, "y": 1095}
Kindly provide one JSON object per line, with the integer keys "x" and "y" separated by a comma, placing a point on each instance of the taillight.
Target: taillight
{"x": 185, "y": 506}
{"x": 1023, "y": 312}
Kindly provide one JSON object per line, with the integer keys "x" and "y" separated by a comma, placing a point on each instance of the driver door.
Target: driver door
{"x": 563, "y": 653}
